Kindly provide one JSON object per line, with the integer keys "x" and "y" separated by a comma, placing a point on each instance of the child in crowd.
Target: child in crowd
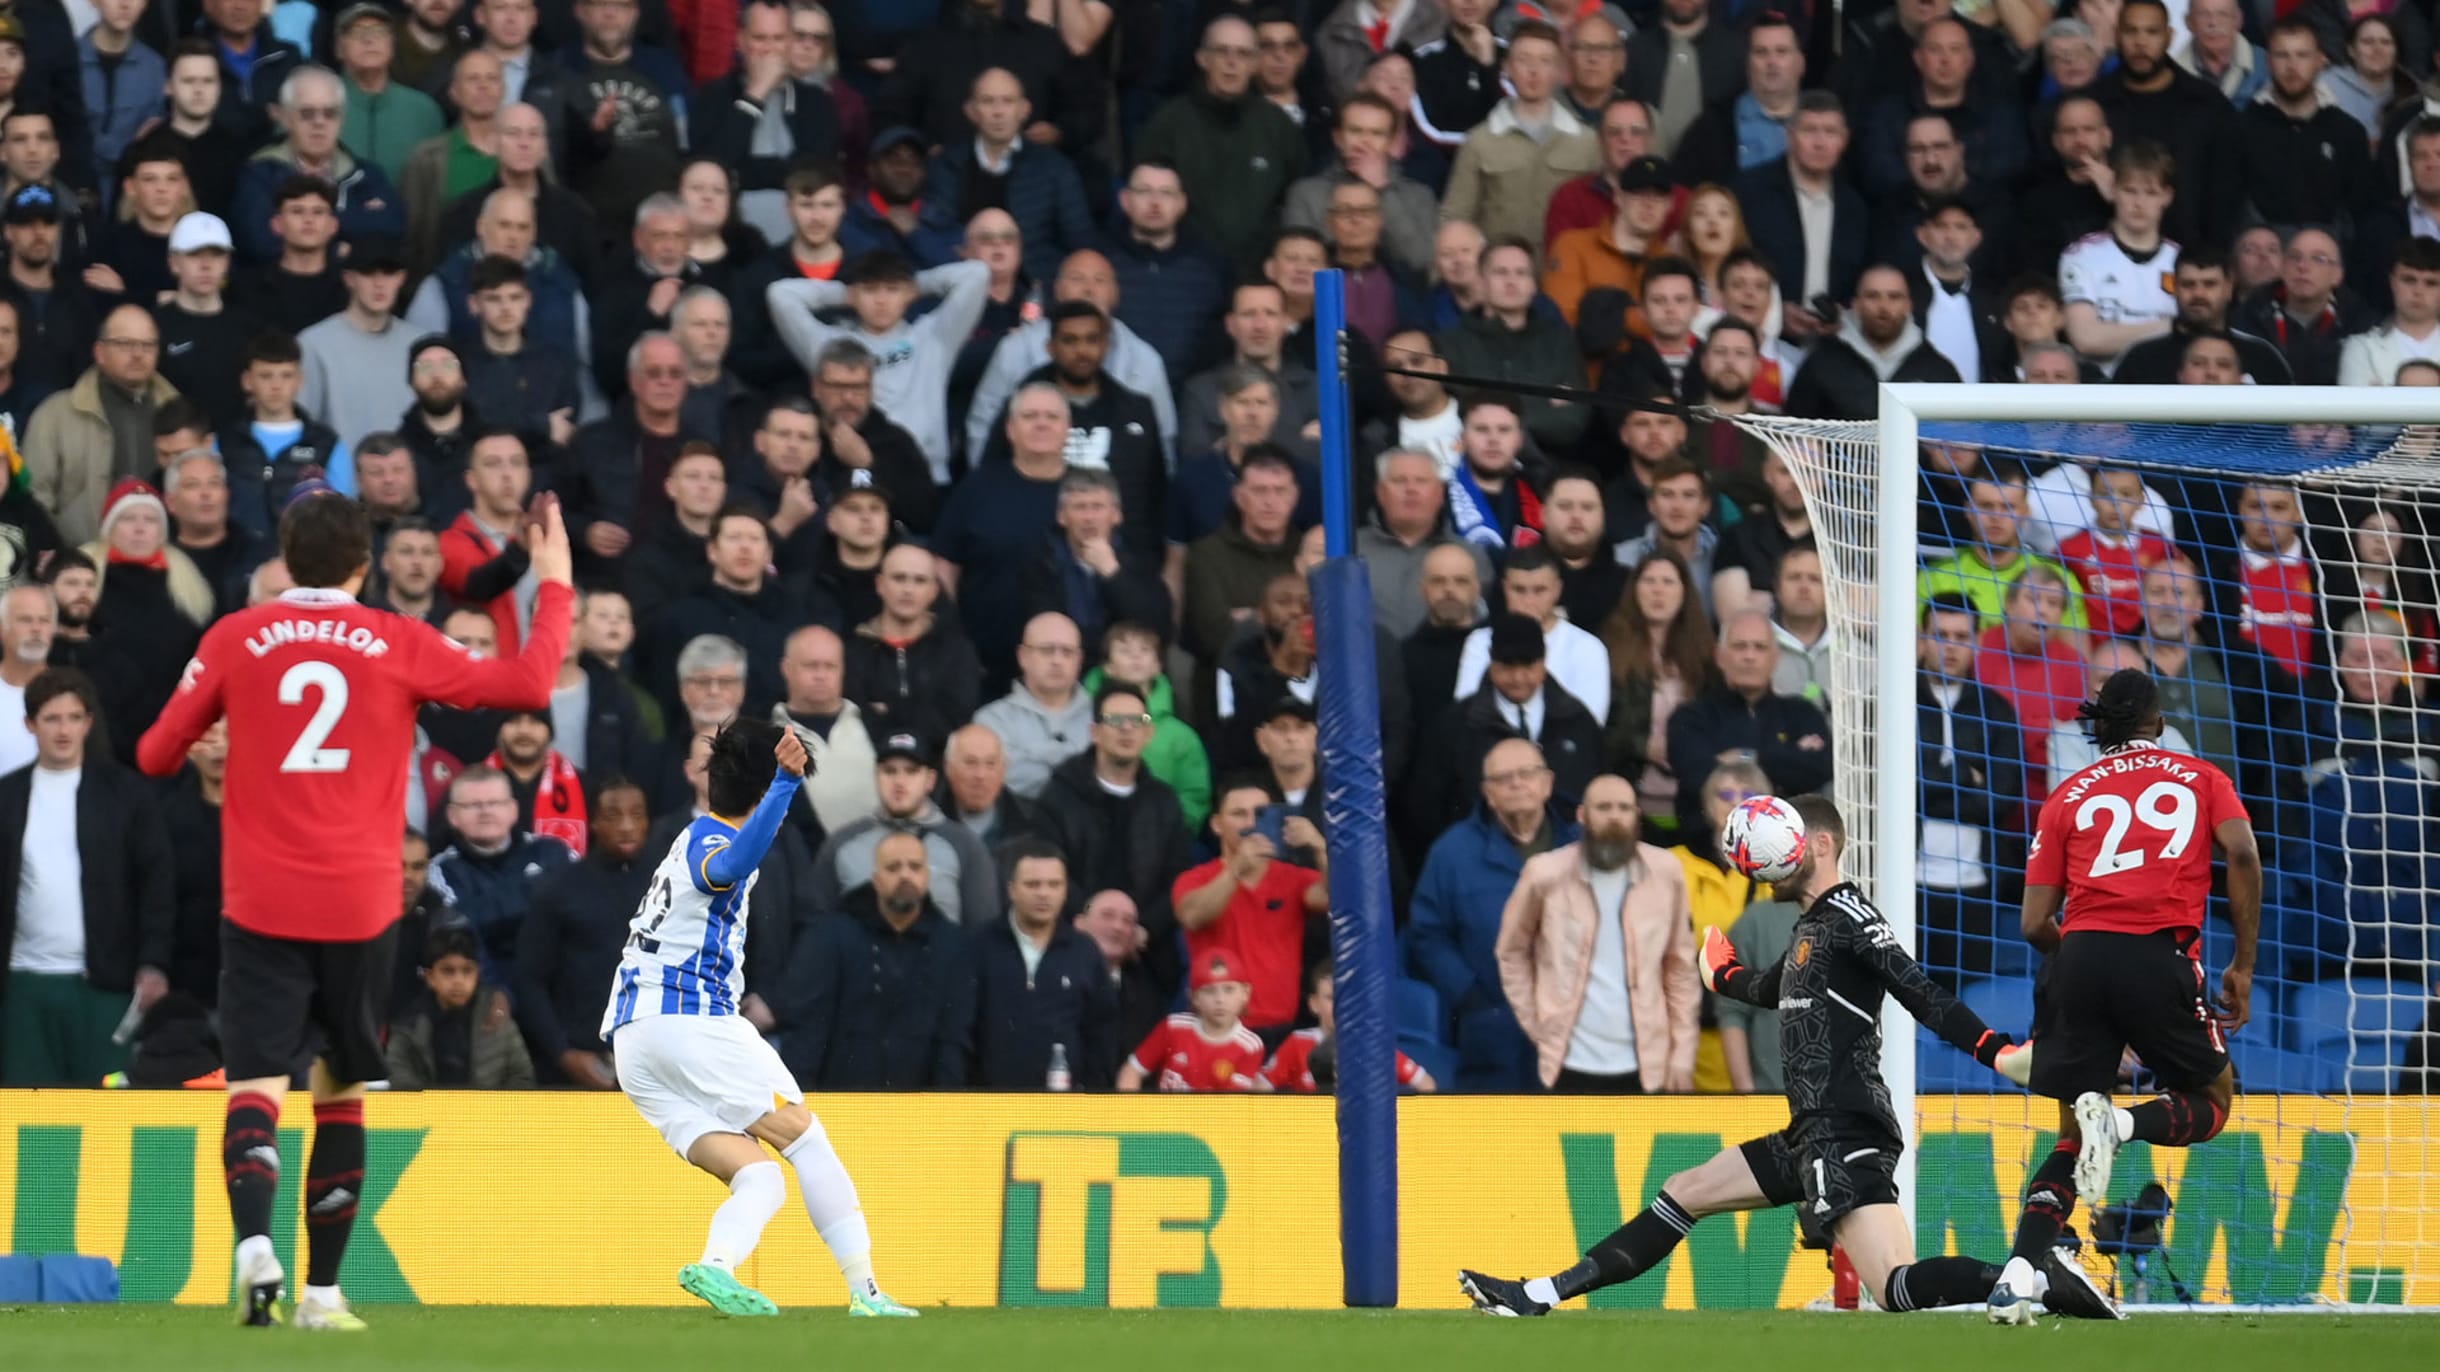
{"x": 1208, "y": 1050}
{"x": 279, "y": 445}
{"x": 1132, "y": 652}
{"x": 2109, "y": 555}
{"x": 459, "y": 1032}
{"x": 1308, "y": 1060}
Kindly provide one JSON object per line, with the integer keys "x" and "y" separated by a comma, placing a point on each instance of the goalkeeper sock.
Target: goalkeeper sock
{"x": 831, "y": 1203}
{"x": 1935, "y": 1282}
{"x": 755, "y": 1194}
{"x": 1636, "y": 1248}
{"x": 334, "y": 1179}
{"x": 2180, "y": 1119}
{"x": 250, "y": 1161}
{"x": 2049, "y": 1199}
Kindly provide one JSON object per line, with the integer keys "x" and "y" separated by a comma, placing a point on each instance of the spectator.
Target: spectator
{"x": 1625, "y": 126}
{"x": 1235, "y": 152}
{"x": 1210, "y": 1049}
{"x": 1591, "y": 581}
{"x": 597, "y": 722}
{"x": 2109, "y": 556}
{"x": 936, "y": 69}
{"x": 1748, "y": 556}
{"x": 888, "y": 986}
{"x": 2370, "y": 794}
{"x": 1170, "y": 288}
{"x": 1087, "y": 573}
{"x": 1308, "y": 1060}
{"x": 312, "y": 105}
{"x": 358, "y": 376}
{"x": 1801, "y": 621}
{"x": 1612, "y": 256}
{"x": 559, "y": 313}
{"x": 1044, "y": 1002}
{"x": 974, "y": 791}
{"x": 1044, "y": 719}
{"x": 1257, "y": 328}
{"x": 2070, "y": 200}
{"x": 190, "y": 820}
{"x": 1596, "y": 64}
{"x": 1407, "y": 522}
{"x": 1596, "y": 952}
{"x": 483, "y": 563}
{"x": 409, "y": 569}
{"x": 489, "y": 874}
{"x": 766, "y": 116}
{"x": 1988, "y": 569}
{"x": 1958, "y": 315}
{"x": 913, "y": 357}
{"x": 98, "y": 431}
{"x": 1970, "y": 757}
{"x": 2196, "y": 699}
{"x": 2031, "y": 660}
{"x": 29, "y": 618}
{"x": 840, "y": 788}
{"x": 623, "y": 106}
{"x": 711, "y": 691}
{"x": 303, "y": 286}
{"x": 1111, "y": 428}
{"x": 1529, "y": 586}
{"x": 622, "y": 460}
{"x": 2204, "y": 291}
{"x": 1659, "y": 649}
{"x": 550, "y": 794}
{"x": 558, "y": 218}
{"x": 964, "y": 880}
{"x": 642, "y": 293}
{"x": 454, "y": 736}
{"x": 2368, "y": 82}
{"x": 153, "y": 193}
{"x": 2372, "y": 358}
{"x": 744, "y": 602}
{"x": 1226, "y": 570}
{"x": 1131, "y": 653}
{"x": 997, "y": 169}
{"x": 459, "y": 1032}
{"x": 2071, "y": 742}
{"x": 1679, "y": 501}
{"x": 386, "y": 119}
{"x": 2337, "y": 26}
{"x": 1518, "y": 699}
{"x": 2273, "y": 583}
{"x": 196, "y": 492}
{"x": 123, "y": 81}
{"x": 1452, "y": 586}
{"x": 1817, "y": 258}
{"x": 87, "y": 903}
{"x": 1253, "y": 899}
{"x": 213, "y": 149}
{"x": 1109, "y": 920}
{"x": 1528, "y": 146}
{"x": 568, "y": 949}
{"x": 2299, "y": 160}
{"x": 508, "y": 371}
{"x": 2149, "y": 98}
{"x": 1084, "y": 277}
{"x": 2217, "y": 50}
{"x": 1472, "y": 869}
{"x": 428, "y": 40}
{"x": 1993, "y": 131}
{"x": 1406, "y": 215}
{"x": 1119, "y": 825}
{"x": 35, "y": 220}
{"x": 2310, "y": 313}
{"x": 673, "y": 560}
{"x": 1737, "y": 111}
{"x": 1882, "y": 343}
{"x": 1741, "y": 719}
{"x": 910, "y": 669}
{"x": 893, "y": 215}
{"x": 253, "y": 65}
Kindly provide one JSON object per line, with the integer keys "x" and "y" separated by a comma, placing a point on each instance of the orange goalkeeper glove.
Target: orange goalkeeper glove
{"x": 1719, "y": 959}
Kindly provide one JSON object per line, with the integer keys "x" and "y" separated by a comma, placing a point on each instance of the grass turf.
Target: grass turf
{"x": 504, "y": 1339}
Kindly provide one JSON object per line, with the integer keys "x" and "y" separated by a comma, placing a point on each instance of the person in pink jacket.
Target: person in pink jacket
{"x": 1597, "y": 955}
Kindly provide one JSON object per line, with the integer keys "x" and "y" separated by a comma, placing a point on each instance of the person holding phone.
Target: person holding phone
{"x": 1253, "y": 902}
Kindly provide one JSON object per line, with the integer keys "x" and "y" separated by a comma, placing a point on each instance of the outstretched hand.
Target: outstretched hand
{"x": 546, "y": 541}
{"x": 2235, "y": 1006}
{"x": 791, "y": 753}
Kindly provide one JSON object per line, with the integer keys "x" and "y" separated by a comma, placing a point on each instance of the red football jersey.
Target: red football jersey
{"x": 2130, "y": 839}
{"x": 1292, "y": 1068}
{"x": 1179, "y": 1058}
{"x": 2111, "y": 572}
{"x": 320, "y": 694}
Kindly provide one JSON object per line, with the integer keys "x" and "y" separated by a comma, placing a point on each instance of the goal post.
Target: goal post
{"x": 2373, "y": 450}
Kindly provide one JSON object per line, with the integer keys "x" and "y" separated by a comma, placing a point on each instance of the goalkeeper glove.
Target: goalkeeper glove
{"x": 2005, "y": 1056}
{"x": 1719, "y": 959}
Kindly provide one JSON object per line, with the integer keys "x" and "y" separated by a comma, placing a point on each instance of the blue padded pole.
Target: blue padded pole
{"x": 1338, "y": 493}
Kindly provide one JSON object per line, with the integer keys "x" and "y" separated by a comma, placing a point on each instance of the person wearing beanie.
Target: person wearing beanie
{"x": 1519, "y": 698}
{"x": 439, "y": 428}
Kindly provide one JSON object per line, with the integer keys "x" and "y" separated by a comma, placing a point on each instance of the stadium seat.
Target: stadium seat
{"x": 2005, "y": 1003}
{"x": 1942, "y": 1070}
{"x": 1432, "y": 1056}
{"x": 2358, "y": 1026}
{"x": 2264, "y": 1068}
{"x": 1419, "y": 1012}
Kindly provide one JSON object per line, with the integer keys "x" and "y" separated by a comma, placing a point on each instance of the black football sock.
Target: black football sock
{"x": 1935, "y": 1282}
{"x": 1634, "y": 1249}
{"x": 2049, "y": 1199}
{"x": 334, "y": 1181}
{"x": 250, "y": 1161}
{"x": 2180, "y": 1119}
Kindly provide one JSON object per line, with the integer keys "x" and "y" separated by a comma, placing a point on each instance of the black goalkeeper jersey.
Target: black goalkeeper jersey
{"x": 1827, "y": 988}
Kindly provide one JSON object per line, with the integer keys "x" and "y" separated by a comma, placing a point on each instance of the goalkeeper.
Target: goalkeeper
{"x": 1839, "y": 1153}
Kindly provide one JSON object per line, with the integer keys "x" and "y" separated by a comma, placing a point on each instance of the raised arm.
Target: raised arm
{"x": 2244, "y": 857}
{"x": 736, "y": 860}
{"x": 792, "y": 305}
{"x": 1872, "y": 943}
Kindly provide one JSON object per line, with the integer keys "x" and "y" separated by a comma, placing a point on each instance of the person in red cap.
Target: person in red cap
{"x": 1210, "y": 1049}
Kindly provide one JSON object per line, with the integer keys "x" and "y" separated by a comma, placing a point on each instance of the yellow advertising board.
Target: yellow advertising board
{"x": 564, "y": 1199}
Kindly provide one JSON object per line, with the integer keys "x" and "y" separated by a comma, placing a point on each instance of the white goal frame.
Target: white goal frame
{"x": 1904, "y": 408}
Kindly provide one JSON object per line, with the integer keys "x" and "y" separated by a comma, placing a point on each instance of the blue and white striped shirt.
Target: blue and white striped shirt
{"x": 685, "y": 950}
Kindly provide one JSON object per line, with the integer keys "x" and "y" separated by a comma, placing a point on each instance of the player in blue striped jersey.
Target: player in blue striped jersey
{"x": 696, "y": 1070}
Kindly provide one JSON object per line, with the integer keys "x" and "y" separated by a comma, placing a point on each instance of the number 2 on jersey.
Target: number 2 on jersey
{"x": 2164, "y": 807}
{"x": 327, "y": 681}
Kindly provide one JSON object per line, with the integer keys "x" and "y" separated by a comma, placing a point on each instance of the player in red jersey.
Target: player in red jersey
{"x": 2125, "y": 845}
{"x": 320, "y": 694}
{"x": 1209, "y": 1050}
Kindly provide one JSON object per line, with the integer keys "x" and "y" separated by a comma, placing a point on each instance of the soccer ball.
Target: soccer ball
{"x": 1764, "y": 837}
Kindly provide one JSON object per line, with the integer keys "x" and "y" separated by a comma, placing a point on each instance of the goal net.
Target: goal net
{"x": 1991, "y": 553}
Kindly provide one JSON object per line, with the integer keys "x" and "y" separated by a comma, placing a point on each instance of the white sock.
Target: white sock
{"x": 258, "y": 1249}
{"x": 831, "y": 1203}
{"x": 2126, "y": 1122}
{"x": 324, "y": 1295}
{"x": 755, "y": 1194}
{"x": 1541, "y": 1289}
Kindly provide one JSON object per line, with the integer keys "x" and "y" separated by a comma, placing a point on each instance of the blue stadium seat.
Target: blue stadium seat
{"x": 1419, "y": 1012}
{"x": 2358, "y": 1026}
{"x": 2264, "y": 1068}
{"x": 1942, "y": 1070}
{"x": 1436, "y": 1058}
{"x": 2005, "y": 1003}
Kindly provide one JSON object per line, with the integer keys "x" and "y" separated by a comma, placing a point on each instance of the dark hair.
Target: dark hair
{"x": 1028, "y": 849}
{"x": 2208, "y": 336}
{"x": 1533, "y": 557}
{"x": 1536, "y": 28}
{"x": 1158, "y": 164}
{"x": 1066, "y": 310}
{"x": 1671, "y": 468}
{"x": 451, "y": 941}
{"x": 2143, "y": 154}
{"x": 1819, "y": 102}
{"x": 301, "y": 185}
{"x": 1234, "y": 782}
{"x": 1671, "y": 266}
{"x": 1570, "y": 471}
{"x": 1820, "y": 813}
{"x": 178, "y": 414}
{"x": 1735, "y": 325}
{"x": 273, "y": 347}
{"x": 1366, "y": 100}
{"x": 51, "y": 683}
{"x": 1471, "y": 401}
{"x": 2126, "y": 703}
{"x": 880, "y": 267}
{"x": 1114, "y": 687}
{"x": 700, "y": 447}
{"x": 1946, "y": 603}
{"x": 2206, "y": 258}
{"x": 68, "y": 560}
{"x": 619, "y": 781}
{"x": 2295, "y": 24}
{"x": 1293, "y": 234}
{"x": 1747, "y": 257}
{"x": 411, "y": 524}
{"x": 1637, "y": 652}
{"x": 734, "y": 509}
{"x": 1319, "y": 970}
{"x": 2032, "y": 283}
{"x": 1268, "y": 457}
{"x": 158, "y": 146}
{"x": 811, "y": 179}
{"x": 2418, "y": 254}
{"x": 742, "y": 764}
{"x": 325, "y": 539}
{"x": 25, "y": 108}
{"x": 493, "y": 272}
{"x": 1131, "y": 628}
{"x": 194, "y": 45}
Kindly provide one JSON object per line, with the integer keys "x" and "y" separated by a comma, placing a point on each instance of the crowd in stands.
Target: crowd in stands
{"x": 939, "y": 378}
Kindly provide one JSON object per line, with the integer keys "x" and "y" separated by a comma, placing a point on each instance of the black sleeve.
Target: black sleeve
{"x": 538, "y": 944}
{"x": 953, "y": 1041}
{"x": 1874, "y": 945}
{"x": 1755, "y": 988}
{"x": 155, "y": 887}
{"x": 498, "y": 576}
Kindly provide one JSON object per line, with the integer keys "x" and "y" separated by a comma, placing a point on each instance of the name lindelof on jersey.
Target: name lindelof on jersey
{"x": 279, "y": 633}
{"x": 2145, "y": 760}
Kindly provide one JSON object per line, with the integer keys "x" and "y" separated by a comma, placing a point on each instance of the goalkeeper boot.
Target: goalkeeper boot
{"x": 259, "y": 1279}
{"x": 720, "y": 1289}
{"x": 876, "y": 1304}
{"x": 2020, "y": 1285}
{"x": 2097, "y": 1120}
{"x": 1498, "y": 1295}
{"x": 2072, "y": 1292}
{"x": 330, "y": 1314}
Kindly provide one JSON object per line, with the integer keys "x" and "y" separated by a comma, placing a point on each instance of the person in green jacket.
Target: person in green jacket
{"x": 1236, "y": 152}
{"x": 1132, "y": 652}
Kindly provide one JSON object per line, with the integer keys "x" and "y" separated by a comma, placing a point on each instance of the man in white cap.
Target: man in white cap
{"x": 203, "y": 337}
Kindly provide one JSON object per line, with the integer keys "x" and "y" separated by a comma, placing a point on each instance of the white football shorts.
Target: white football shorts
{"x": 692, "y": 1075}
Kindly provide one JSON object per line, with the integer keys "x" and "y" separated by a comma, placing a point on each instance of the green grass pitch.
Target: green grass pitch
{"x": 501, "y": 1339}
